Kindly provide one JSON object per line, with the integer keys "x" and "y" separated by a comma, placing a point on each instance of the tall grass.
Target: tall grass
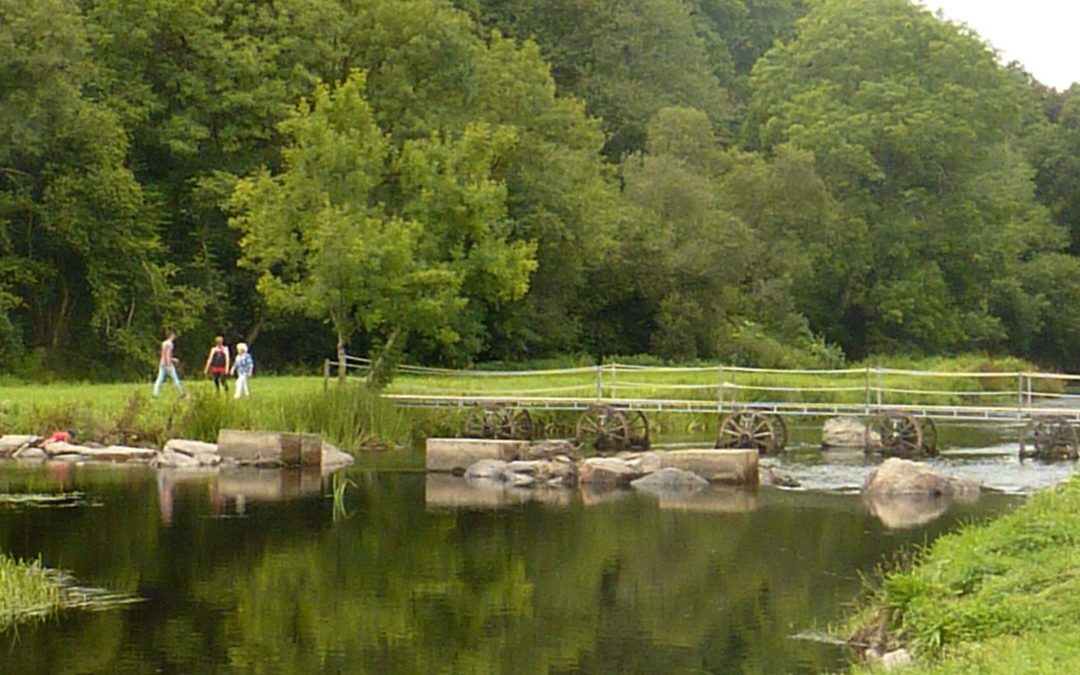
{"x": 351, "y": 417}
{"x": 25, "y": 589}
{"x": 997, "y": 598}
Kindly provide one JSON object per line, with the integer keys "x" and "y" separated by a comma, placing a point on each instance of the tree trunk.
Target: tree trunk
{"x": 341, "y": 359}
{"x": 380, "y": 362}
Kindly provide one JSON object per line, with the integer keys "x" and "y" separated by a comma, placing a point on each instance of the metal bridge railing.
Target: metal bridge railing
{"x": 720, "y": 388}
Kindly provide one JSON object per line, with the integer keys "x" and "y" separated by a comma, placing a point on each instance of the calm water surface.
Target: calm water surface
{"x": 258, "y": 572}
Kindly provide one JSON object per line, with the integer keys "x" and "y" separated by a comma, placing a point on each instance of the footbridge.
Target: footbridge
{"x": 901, "y": 408}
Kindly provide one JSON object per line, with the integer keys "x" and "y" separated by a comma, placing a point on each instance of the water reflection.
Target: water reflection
{"x": 230, "y": 490}
{"x": 434, "y": 574}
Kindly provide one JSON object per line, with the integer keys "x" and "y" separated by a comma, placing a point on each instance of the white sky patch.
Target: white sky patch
{"x": 1040, "y": 34}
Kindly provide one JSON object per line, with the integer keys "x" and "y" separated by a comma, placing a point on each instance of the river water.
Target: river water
{"x": 260, "y": 571}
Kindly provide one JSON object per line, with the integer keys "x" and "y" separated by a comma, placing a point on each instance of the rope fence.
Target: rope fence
{"x": 732, "y": 387}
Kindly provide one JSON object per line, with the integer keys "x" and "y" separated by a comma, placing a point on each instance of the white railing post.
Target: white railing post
{"x": 1020, "y": 392}
{"x": 612, "y": 390}
{"x": 720, "y": 389}
{"x": 879, "y": 386}
{"x": 599, "y": 382}
{"x": 866, "y": 384}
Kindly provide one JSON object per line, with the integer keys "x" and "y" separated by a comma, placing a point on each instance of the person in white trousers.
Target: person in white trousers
{"x": 243, "y": 368}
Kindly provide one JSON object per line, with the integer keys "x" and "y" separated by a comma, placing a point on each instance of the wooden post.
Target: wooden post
{"x": 1029, "y": 391}
{"x": 1020, "y": 392}
{"x": 599, "y": 382}
{"x": 326, "y": 374}
{"x": 720, "y": 389}
{"x": 613, "y": 392}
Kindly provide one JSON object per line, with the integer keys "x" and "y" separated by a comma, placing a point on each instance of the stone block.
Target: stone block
{"x": 735, "y": 467}
{"x": 270, "y": 447}
{"x": 455, "y": 455}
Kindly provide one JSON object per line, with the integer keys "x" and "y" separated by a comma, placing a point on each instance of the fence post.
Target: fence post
{"x": 877, "y": 369}
{"x": 326, "y": 374}
{"x": 1020, "y": 392}
{"x": 866, "y": 383}
{"x": 720, "y": 389}
{"x": 612, "y": 391}
{"x": 599, "y": 382}
{"x": 1029, "y": 390}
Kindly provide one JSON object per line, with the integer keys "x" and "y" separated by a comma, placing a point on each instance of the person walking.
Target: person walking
{"x": 217, "y": 364}
{"x": 243, "y": 369}
{"x": 167, "y": 365}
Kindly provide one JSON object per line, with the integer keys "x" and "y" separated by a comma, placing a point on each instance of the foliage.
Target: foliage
{"x": 766, "y": 182}
{"x": 995, "y": 597}
{"x": 910, "y": 122}
{"x": 332, "y": 237}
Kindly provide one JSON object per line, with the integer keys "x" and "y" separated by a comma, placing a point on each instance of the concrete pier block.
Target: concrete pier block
{"x": 732, "y": 467}
{"x": 287, "y": 449}
{"x": 454, "y": 455}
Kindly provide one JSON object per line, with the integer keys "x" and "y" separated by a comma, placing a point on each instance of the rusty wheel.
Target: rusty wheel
{"x": 780, "y": 427}
{"x": 521, "y": 425}
{"x": 748, "y": 430}
{"x": 486, "y": 421}
{"x": 1049, "y": 438}
{"x": 896, "y": 434}
{"x": 637, "y": 430}
{"x": 930, "y": 436}
{"x": 603, "y": 428}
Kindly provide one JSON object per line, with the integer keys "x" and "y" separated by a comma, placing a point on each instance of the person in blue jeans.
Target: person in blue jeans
{"x": 167, "y": 365}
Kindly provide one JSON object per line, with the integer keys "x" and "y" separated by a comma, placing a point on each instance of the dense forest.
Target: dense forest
{"x": 768, "y": 182}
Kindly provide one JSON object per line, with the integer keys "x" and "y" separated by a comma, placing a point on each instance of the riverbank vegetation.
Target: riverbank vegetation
{"x": 352, "y": 417}
{"x": 761, "y": 182}
{"x": 1001, "y": 597}
{"x": 26, "y": 589}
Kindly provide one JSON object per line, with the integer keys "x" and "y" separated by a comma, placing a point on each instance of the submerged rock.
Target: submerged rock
{"x": 491, "y": 469}
{"x": 606, "y": 472}
{"x": 770, "y": 475}
{"x": 670, "y": 479}
{"x": 550, "y": 449}
{"x": 170, "y": 459}
{"x": 333, "y": 457}
{"x": 643, "y": 462}
{"x": 898, "y": 476}
{"x": 31, "y": 453}
{"x": 10, "y": 444}
{"x": 848, "y": 432}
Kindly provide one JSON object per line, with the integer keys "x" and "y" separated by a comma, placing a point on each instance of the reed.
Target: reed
{"x": 26, "y": 589}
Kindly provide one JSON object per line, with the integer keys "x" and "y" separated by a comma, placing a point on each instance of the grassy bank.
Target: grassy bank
{"x": 25, "y": 589}
{"x": 351, "y": 417}
{"x": 997, "y": 598}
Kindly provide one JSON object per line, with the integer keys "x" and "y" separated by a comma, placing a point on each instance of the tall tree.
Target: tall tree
{"x": 70, "y": 209}
{"x": 910, "y": 120}
{"x": 369, "y": 237}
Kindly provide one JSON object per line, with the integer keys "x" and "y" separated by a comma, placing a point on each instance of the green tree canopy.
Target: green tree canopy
{"x": 369, "y": 237}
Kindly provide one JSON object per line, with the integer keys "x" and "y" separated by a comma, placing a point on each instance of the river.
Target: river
{"x": 263, "y": 572}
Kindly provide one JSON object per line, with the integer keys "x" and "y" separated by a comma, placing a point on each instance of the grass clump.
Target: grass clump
{"x": 26, "y": 589}
{"x": 997, "y": 598}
